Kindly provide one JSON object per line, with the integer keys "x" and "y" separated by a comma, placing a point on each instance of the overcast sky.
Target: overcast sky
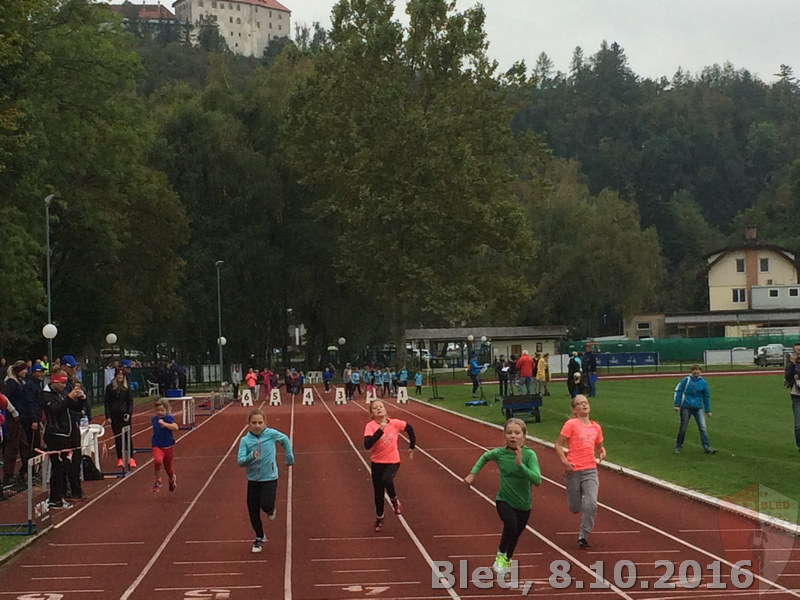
{"x": 658, "y": 36}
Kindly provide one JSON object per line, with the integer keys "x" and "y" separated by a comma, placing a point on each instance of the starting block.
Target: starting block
{"x": 339, "y": 396}
{"x": 308, "y": 397}
{"x": 247, "y": 398}
{"x": 275, "y": 397}
{"x": 371, "y": 397}
{"x": 402, "y": 395}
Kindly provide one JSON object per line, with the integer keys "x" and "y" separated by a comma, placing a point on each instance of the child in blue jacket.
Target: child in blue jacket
{"x": 257, "y": 455}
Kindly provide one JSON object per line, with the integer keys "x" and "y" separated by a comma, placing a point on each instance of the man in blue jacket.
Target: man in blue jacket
{"x": 692, "y": 399}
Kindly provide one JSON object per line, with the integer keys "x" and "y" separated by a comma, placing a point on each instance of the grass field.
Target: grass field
{"x": 751, "y": 427}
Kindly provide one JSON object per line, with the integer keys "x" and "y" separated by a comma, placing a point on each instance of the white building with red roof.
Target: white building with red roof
{"x": 248, "y": 26}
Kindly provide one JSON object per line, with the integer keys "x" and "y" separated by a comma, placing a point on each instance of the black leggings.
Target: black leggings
{"x": 514, "y": 522}
{"x": 260, "y": 496}
{"x": 383, "y": 479}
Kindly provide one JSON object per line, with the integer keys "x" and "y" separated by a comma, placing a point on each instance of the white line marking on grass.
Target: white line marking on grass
{"x": 140, "y": 468}
{"x": 400, "y": 518}
{"x": 615, "y": 511}
{"x": 171, "y": 534}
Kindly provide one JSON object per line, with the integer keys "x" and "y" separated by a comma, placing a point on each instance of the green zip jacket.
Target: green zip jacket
{"x": 515, "y": 481}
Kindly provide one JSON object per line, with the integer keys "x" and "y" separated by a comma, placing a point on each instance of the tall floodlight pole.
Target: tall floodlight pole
{"x": 220, "y": 340}
{"x": 47, "y": 201}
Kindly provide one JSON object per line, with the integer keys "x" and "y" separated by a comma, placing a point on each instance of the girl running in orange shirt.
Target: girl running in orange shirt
{"x": 380, "y": 438}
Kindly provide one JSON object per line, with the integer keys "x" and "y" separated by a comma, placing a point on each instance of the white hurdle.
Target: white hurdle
{"x": 339, "y": 398}
{"x": 402, "y": 395}
{"x": 275, "y": 397}
{"x": 247, "y": 398}
{"x": 308, "y": 397}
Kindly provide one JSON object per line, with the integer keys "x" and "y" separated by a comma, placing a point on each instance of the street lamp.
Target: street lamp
{"x": 50, "y": 331}
{"x": 220, "y": 340}
{"x": 342, "y": 341}
{"x": 54, "y": 331}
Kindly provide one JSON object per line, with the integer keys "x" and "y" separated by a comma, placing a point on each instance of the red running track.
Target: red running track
{"x": 128, "y": 542}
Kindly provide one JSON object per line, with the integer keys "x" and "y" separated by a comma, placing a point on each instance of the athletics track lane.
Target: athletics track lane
{"x": 332, "y": 518}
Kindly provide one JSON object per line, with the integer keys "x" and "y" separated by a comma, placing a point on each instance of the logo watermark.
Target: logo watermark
{"x": 445, "y": 576}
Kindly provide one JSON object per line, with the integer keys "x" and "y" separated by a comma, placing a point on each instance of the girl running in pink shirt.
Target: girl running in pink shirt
{"x": 584, "y": 438}
{"x": 380, "y": 438}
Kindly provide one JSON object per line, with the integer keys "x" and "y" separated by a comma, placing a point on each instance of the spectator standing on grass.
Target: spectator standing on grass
{"x": 791, "y": 380}
{"x": 692, "y": 400}
{"x": 538, "y": 373}
{"x": 573, "y": 366}
{"x": 519, "y": 469}
{"x": 513, "y": 374}
{"x": 163, "y": 443}
{"x": 257, "y": 454}
{"x": 418, "y": 382}
{"x": 381, "y": 435}
{"x": 525, "y": 371}
{"x": 584, "y": 440}
{"x": 118, "y": 405}
{"x": 589, "y": 370}
{"x": 501, "y": 370}
{"x": 546, "y": 382}
{"x": 474, "y": 371}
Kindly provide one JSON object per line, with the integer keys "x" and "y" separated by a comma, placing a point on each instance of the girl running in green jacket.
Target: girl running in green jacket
{"x": 519, "y": 469}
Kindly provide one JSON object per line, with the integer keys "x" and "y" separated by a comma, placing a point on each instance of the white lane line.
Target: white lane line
{"x": 82, "y": 544}
{"x": 73, "y": 565}
{"x": 362, "y": 584}
{"x": 617, "y": 512}
{"x": 61, "y": 578}
{"x": 401, "y": 518}
{"x": 227, "y": 587}
{"x": 350, "y": 539}
{"x": 361, "y": 558}
{"x": 361, "y": 570}
{"x": 216, "y": 562}
{"x": 49, "y": 593}
{"x": 247, "y": 541}
{"x": 157, "y": 554}
{"x": 210, "y": 574}
{"x": 287, "y": 570}
{"x": 85, "y": 506}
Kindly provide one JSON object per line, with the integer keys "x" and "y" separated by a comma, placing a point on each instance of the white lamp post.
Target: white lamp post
{"x": 221, "y": 341}
{"x": 54, "y": 330}
{"x": 342, "y": 342}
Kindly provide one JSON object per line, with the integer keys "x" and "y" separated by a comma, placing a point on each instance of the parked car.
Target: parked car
{"x": 771, "y": 354}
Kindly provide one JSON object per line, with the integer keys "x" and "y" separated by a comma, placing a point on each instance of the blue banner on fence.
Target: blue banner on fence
{"x": 626, "y": 359}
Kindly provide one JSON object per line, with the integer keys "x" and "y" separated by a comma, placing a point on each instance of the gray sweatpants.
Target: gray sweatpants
{"x": 582, "y": 497}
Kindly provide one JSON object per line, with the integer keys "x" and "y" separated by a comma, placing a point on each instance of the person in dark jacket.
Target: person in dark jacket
{"x": 69, "y": 365}
{"x": 57, "y": 404}
{"x": 30, "y": 416}
{"x": 118, "y": 401}
{"x": 13, "y": 392}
